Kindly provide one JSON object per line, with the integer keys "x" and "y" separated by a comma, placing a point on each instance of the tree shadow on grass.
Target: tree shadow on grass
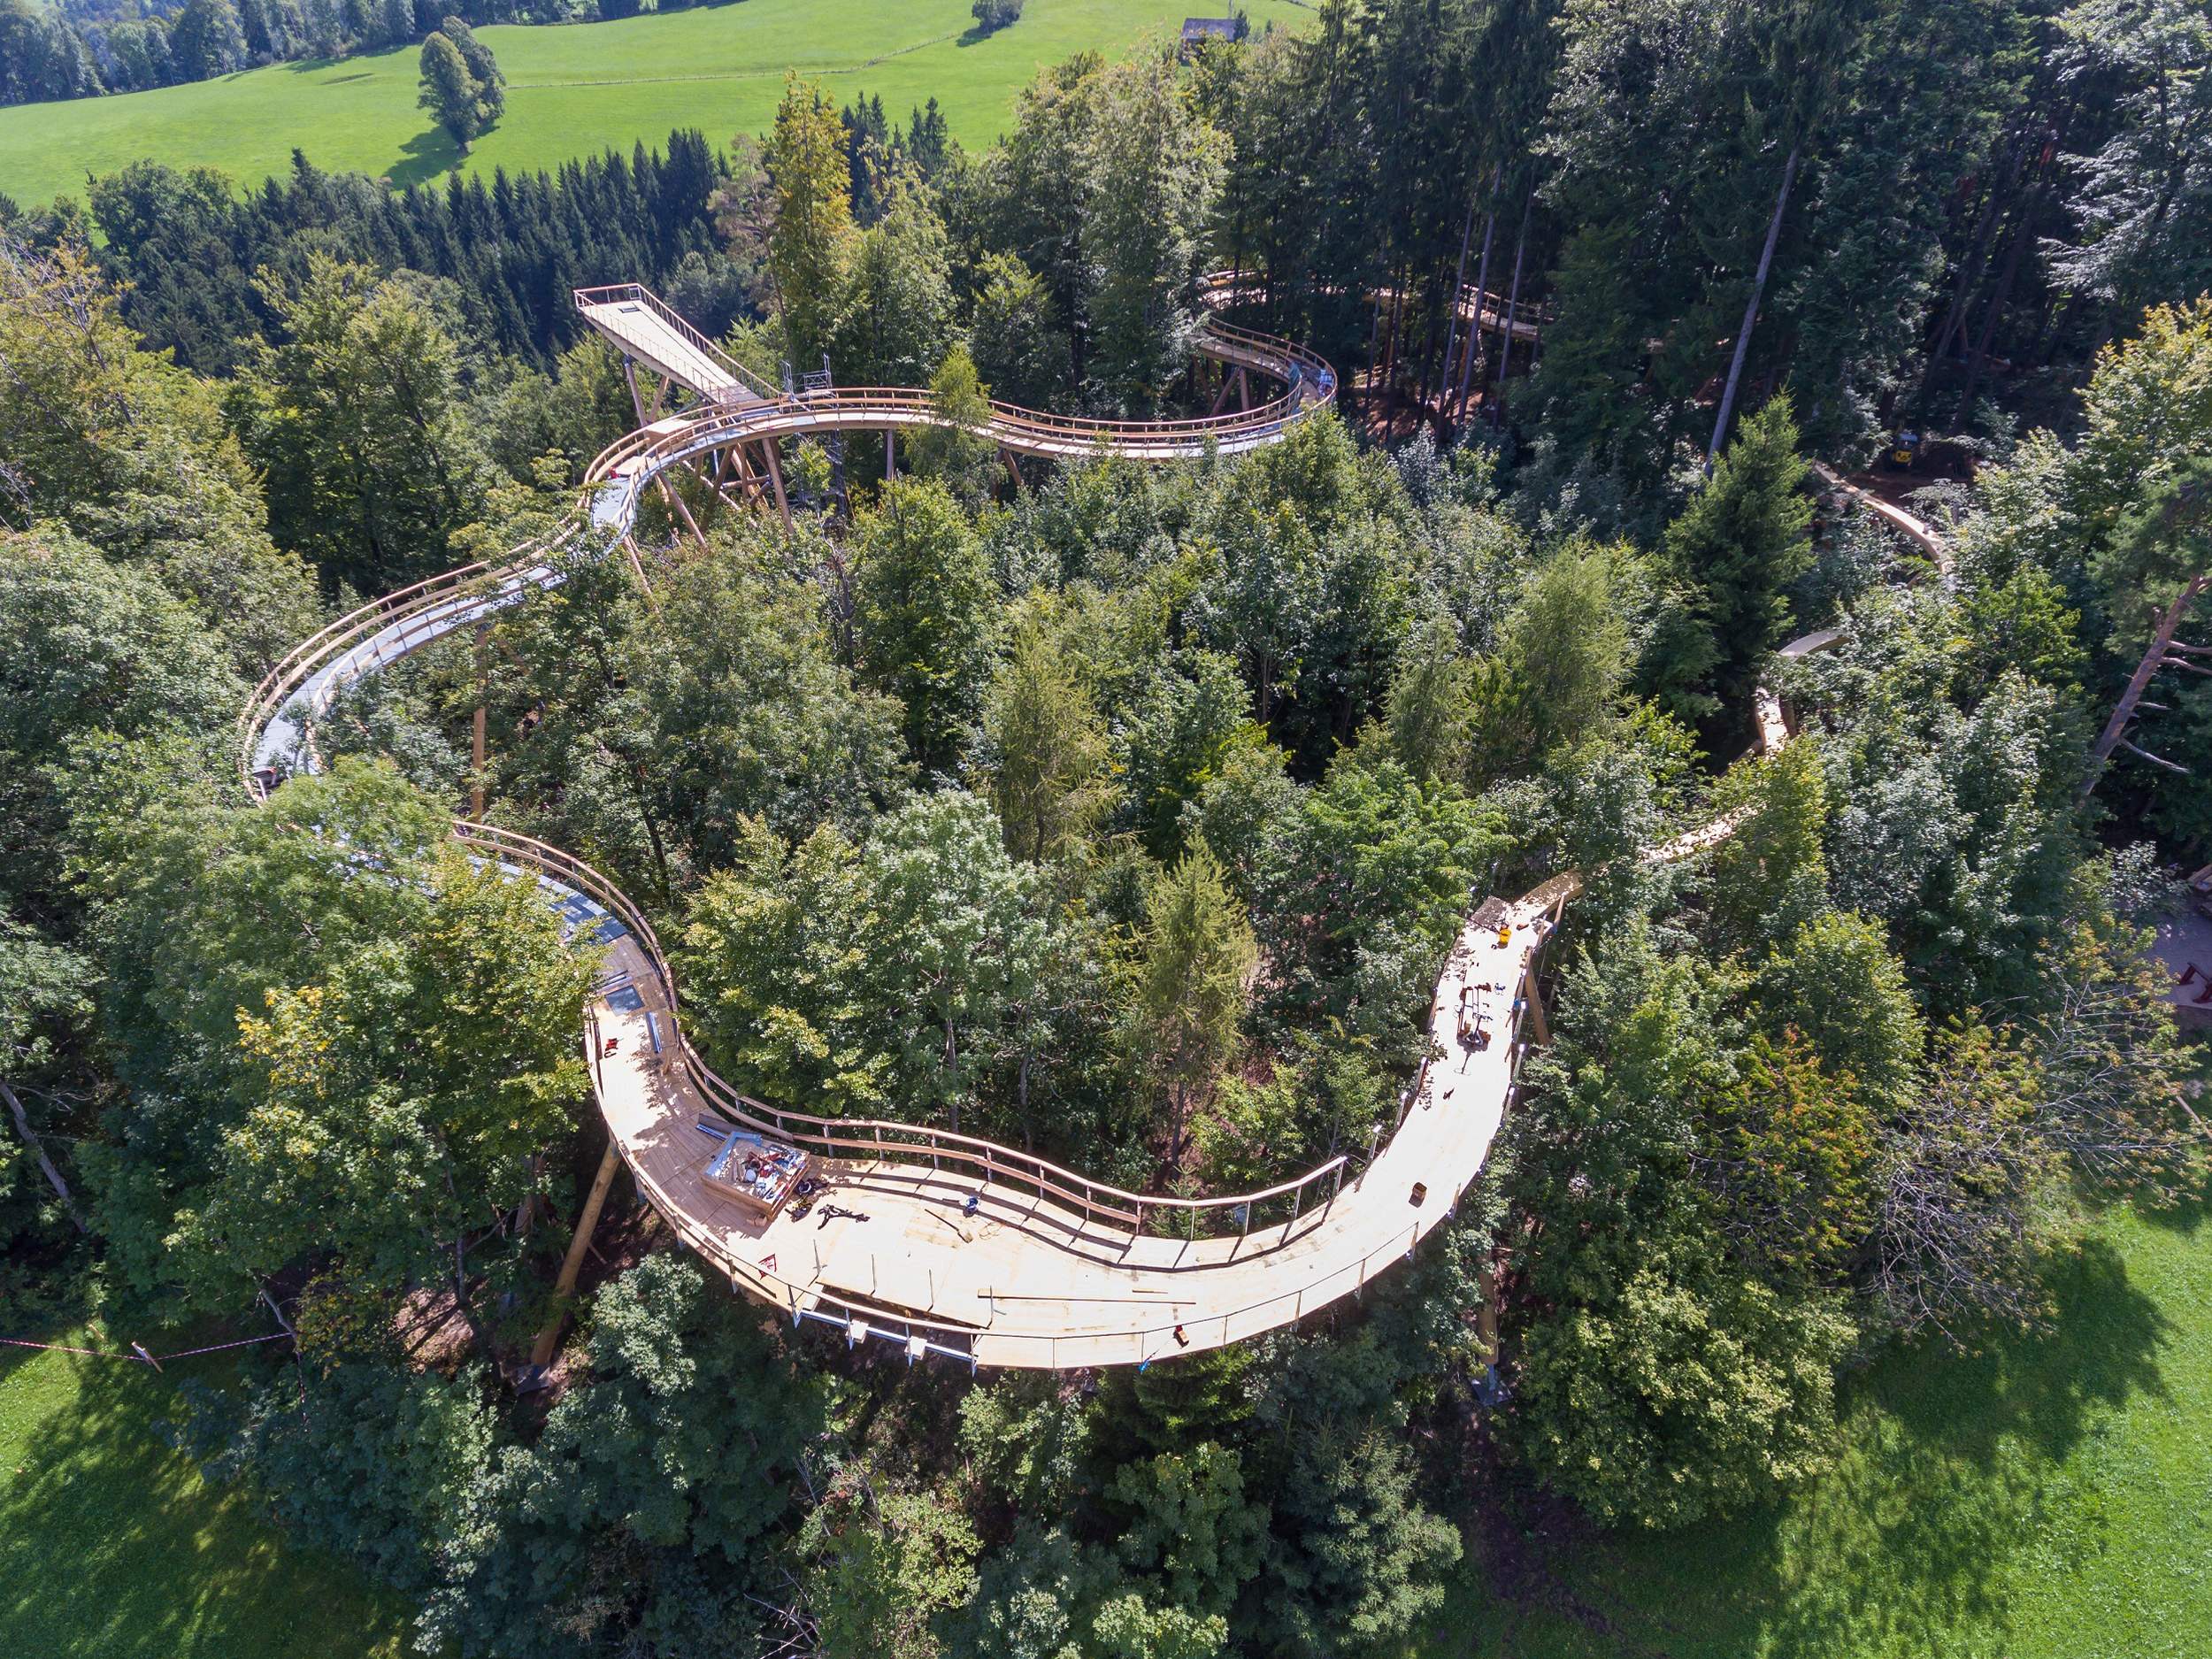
{"x": 2185, "y": 1218}
{"x": 111, "y": 1544}
{"x": 1951, "y": 1466}
{"x": 424, "y": 156}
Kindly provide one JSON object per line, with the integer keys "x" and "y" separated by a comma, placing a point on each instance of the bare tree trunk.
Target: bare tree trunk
{"x": 476, "y": 747}
{"x": 1482, "y": 288}
{"x": 949, "y": 1057}
{"x": 1971, "y": 267}
{"x": 53, "y": 1175}
{"x": 2153, "y": 659}
{"x": 1451, "y": 328}
{"x": 1512, "y": 308}
{"x": 1750, "y": 314}
{"x": 1996, "y": 308}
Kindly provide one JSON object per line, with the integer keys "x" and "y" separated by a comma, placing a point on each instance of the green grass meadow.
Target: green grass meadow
{"x": 573, "y": 91}
{"x": 2049, "y": 1498}
{"x": 112, "y": 1547}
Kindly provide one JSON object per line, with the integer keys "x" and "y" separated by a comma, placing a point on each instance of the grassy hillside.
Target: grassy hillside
{"x": 572, "y": 91}
{"x": 2048, "y": 1499}
{"x": 112, "y": 1545}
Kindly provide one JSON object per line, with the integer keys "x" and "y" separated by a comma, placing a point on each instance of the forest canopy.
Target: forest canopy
{"x": 1126, "y": 813}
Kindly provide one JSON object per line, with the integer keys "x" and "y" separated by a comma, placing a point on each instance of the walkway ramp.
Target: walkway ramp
{"x": 645, "y": 330}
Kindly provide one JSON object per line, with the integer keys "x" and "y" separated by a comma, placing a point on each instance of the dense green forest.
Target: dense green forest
{"x": 1127, "y": 814}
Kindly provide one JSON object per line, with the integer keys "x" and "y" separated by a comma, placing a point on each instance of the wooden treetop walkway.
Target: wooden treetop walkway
{"x": 951, "y": 1244}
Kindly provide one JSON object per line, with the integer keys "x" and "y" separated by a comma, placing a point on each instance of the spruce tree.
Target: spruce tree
{"x": 1731, "y": 557}
{"x": 1199, "y": 952}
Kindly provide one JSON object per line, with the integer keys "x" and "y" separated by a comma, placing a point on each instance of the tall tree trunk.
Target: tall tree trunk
{"x": 1512, "y": 308}
{"x": 2028, "y": 215}
{"x": 1971, "y": 267}
{"x": 1750, "y": 313}
{"x": 1451, "y": 328}
{"x": 1482, "y": 289}
{"x": 1374, "y": 335}
{"x": 1021, "y": 1091}
{"x": 949, "y": 1058}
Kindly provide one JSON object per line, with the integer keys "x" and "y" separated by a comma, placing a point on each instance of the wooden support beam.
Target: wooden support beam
{"x": 629, "y": 545}
{"x": 565, "y": 1287}
{"x": 476, "y": 749}
{"x": 677, "y": 501}
{"x": 775, "y": 476}
{"x": 1534, "y": 997}
{"x": 890, "y": 453}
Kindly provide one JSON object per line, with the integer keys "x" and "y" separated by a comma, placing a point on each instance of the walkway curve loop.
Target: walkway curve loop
{"x": 945, "y": 1243}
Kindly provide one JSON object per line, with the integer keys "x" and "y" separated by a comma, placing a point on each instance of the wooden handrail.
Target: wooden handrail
{"x": 1048, "y": 1176}
{"x": 637, "y": 293}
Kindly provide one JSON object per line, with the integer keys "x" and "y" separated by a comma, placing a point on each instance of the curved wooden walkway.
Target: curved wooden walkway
{"x": 944, "y": 1243}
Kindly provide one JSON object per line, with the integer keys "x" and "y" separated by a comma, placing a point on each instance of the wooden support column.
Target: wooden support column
{"x": 629, "y": 545}
{"x": 637, "y": 399}
{"x": 775, "y": 476}
{"x": 890, "y": 453}
{"x": 1532, "y": 996}
{"x": 565, "y": 1287}
{"x": 677, "y": 501}
{"x": 476, "y": 747}
{"x": 1486, "y": 1315}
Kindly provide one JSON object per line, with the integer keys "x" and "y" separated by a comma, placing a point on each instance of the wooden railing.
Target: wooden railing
{"x": 645, "y": 454}
{"x": 411, "y": 617}
{"x": 633, "y": 293}
{"x": 882, "y": 1138}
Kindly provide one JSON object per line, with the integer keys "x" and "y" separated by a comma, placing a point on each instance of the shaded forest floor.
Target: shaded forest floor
{"x": 2048, "y": 1496}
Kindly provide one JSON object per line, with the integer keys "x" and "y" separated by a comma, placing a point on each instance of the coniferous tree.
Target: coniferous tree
{"x": 811, "y": 242}
{"x": 1199, "y": 952}
{"x": 1732, "y": 555}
